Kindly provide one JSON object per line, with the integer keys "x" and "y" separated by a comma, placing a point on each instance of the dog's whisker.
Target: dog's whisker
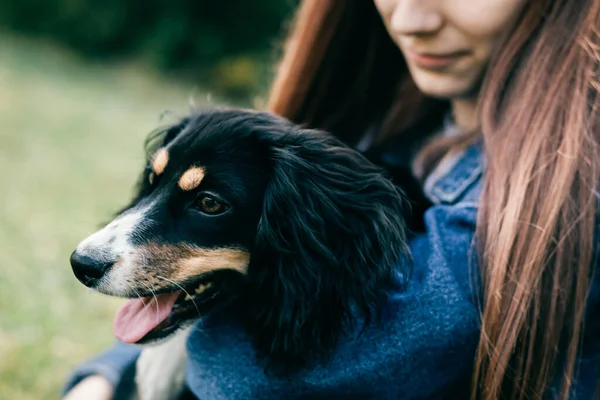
{"x": 201, "y": 331}
{"x": 182, "y": 288}
{"x": 153, "y": 294}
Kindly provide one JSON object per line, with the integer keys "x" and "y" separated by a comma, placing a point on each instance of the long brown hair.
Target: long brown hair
{"x": 539, "y": 109}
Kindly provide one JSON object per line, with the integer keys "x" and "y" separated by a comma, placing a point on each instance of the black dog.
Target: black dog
{"x": 297, "y": 232}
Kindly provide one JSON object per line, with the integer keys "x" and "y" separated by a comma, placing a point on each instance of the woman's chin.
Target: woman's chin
{"x": 445, "y": 85}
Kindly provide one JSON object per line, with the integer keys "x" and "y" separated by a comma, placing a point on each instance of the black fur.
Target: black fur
{"x": 324, "y": 226}
{"x": 330, "y": 235}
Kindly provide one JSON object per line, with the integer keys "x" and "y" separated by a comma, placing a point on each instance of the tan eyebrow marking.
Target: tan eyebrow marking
{"x": 160, "y": 161}
{"x": 191, "y": 178}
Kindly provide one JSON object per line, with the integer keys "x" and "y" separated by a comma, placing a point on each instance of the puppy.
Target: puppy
{"x": 239, "y": 208}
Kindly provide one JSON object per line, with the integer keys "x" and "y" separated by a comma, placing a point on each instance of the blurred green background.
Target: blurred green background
{"x": 82, "y": 83}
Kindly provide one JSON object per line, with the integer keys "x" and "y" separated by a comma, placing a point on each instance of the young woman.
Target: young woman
{"x": 487, "y": 112}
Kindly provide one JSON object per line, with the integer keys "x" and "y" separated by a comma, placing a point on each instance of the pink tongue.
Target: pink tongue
{"x": 137, "y": 317}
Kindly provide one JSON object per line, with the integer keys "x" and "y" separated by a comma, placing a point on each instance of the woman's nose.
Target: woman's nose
{"x": 416, "y": 18}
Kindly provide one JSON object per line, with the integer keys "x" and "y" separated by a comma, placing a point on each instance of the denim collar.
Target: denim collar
{"x": 457, "y": 178}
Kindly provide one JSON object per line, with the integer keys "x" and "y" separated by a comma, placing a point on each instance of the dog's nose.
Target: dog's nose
{"x": 88, "y": 269}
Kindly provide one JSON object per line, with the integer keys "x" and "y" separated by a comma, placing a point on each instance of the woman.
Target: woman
{"x": 487, "y": 112}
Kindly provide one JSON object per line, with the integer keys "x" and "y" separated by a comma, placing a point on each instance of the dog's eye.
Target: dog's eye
{"x": 211, "y": 205}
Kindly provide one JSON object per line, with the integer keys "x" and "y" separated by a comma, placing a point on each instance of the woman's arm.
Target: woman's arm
{"x": 95, "y": 387}
{"x": 104, "y": 376}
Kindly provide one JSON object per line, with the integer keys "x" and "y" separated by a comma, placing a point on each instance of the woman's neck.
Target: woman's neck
{"x": 465, "y": 113}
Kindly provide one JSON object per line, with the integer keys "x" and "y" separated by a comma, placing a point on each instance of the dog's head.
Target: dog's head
{"x": 243, "y": 205}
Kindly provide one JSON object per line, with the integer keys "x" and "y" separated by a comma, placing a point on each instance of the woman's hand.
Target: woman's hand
{"x": 94, "y": 387}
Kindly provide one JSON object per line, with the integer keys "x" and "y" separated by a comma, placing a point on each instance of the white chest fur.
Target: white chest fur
{"x": 160, "y": 369}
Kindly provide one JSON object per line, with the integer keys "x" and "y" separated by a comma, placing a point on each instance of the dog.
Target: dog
{"x": 243, "y": 209}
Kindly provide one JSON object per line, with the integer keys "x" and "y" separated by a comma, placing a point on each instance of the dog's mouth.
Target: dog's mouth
{"x": 148, "y": 319}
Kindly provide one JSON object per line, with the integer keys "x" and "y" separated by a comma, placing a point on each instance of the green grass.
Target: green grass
{"x": 71, "y": 145}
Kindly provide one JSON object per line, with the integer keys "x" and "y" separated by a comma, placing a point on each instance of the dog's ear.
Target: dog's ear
{"x": 330, "y": 237}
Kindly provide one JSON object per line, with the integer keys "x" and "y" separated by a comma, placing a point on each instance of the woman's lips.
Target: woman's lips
{"x": 433, "y": 60}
